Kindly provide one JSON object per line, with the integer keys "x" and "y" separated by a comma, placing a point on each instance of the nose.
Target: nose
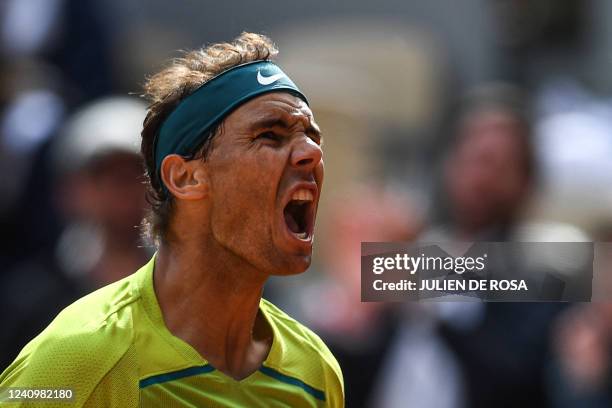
{"x": 306, "y": 154}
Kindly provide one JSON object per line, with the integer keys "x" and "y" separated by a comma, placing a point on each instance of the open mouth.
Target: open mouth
{"x": 299, "y": 213}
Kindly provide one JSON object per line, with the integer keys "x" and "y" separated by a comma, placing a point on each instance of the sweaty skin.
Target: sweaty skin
{"x": 227, "y": 234}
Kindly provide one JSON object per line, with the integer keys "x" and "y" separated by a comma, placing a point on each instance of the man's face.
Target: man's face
{"x": 266, "y": 173}
{"x": 486, "y": 178}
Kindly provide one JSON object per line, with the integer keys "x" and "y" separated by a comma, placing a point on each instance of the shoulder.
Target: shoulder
{"x": 81, "y": 345}
{"x": 295, "y": 332}
{"x": 308, "y": 353}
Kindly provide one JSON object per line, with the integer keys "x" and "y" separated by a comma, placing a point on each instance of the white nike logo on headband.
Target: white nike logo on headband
{"x": 268, "y": 80}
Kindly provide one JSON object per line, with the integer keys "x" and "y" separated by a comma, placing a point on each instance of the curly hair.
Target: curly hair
{"x": 166, "y": 89}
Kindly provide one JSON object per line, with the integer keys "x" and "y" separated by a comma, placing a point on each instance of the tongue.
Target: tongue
{"x": 291, "y": 222}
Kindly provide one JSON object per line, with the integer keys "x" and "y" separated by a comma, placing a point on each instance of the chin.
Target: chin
{"x": 298, "y": 264}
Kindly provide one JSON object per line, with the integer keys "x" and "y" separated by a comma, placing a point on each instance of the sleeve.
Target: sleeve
{"x": 335, "y": 387}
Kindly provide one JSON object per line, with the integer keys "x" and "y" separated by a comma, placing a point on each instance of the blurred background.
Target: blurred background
{"x": 475, "y": 120}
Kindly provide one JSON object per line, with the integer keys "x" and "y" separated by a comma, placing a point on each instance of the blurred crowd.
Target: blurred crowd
{"x": 489, "y": 123}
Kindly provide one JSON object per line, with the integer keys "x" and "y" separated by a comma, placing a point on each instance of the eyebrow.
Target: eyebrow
{"x": 272, "y": 121}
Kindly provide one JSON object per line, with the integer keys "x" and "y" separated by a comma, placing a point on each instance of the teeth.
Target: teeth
{"x": 302, "y": 195}
{"x": 302, "y": 235}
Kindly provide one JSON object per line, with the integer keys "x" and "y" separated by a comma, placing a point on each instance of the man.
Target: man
{"x": 235, "y": 166}
{"x": 490, "y": 173}
{"x": 490, "y": 170}
{"x": 96, "y": 187}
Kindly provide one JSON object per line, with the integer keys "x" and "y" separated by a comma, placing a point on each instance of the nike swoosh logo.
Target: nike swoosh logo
{"x": 268, "y": 80}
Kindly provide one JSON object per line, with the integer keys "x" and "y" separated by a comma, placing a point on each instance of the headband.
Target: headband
{"x": 186, "y": 127}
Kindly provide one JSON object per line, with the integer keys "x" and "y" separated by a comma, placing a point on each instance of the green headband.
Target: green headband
{"x": 186, "y": 127}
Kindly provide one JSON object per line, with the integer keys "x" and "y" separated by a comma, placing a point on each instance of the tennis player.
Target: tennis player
{"x": 234, "y": 162}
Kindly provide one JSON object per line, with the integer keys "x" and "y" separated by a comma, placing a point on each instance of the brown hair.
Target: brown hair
{"x": 166, "y": 89}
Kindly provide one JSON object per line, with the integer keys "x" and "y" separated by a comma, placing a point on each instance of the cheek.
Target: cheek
{"x": 513, "y": 186}
{"x": 320, "y": 173}
{"x": 243, "y": 197}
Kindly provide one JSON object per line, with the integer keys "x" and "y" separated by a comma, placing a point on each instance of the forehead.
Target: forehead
{"x": 281, "y": 104}
{"x": 490, "y": 120}
{"x": 493, "y": 130}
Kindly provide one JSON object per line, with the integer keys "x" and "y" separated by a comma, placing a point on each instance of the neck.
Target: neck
{"x": 210, "y": 299}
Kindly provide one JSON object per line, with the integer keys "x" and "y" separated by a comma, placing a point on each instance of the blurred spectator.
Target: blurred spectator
{"x": 488, "y": 177}
{"x": 54, "y": 55}
{"x": 101, "y": 197}
{"x": 489, "y": 172}
{"x": 581, "y": 375}
{"x": 580, "y": 371}
{"x": 100, "y": 190}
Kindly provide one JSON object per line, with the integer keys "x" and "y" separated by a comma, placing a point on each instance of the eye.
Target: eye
{"x": 269, "y": 135}
{"x": 317, "y": 138}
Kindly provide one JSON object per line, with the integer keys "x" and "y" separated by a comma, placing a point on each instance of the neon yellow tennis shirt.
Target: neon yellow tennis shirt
{"x": 113, "y": 349}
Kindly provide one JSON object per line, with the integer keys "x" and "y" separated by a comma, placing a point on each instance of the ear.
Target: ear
{"x": 185, "y": 179}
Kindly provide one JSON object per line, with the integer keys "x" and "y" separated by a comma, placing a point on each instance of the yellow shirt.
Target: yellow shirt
{"x": 112, "y": 349}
